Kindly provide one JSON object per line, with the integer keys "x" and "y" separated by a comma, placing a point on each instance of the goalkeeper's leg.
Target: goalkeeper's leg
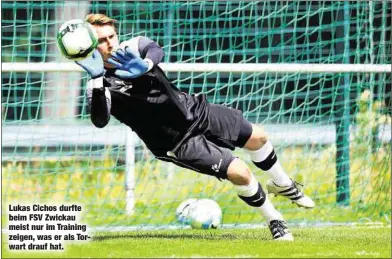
{"x": 203, "y": 156}
{"x": 227, "y": 128}
{"x": 264, "y": 157}
{"x": 251, "y": 192}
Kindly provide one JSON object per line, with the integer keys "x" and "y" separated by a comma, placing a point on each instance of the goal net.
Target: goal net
{"x": 317, "y": 75}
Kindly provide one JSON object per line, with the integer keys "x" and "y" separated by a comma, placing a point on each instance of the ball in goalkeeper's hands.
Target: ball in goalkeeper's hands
{"x": 77, "y": 39}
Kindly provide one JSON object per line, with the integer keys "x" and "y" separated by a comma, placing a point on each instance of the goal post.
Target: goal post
{"x": 316, "y": 78}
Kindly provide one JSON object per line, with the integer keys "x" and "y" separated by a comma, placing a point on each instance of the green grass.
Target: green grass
{"x": 99, "y": 187}
{"x": 327, "y": 242}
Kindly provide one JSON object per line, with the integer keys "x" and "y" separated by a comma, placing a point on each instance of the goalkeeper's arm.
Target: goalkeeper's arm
{"x": 146, "y": 49}
{"x": 150, "y": 51}
{"x": 99, "y": 102}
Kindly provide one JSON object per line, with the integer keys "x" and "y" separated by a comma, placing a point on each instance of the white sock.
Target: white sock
{"x": 267, "y": 209}
{"x": 269, "y": 212}
{"x": 248, "y": 190}
{"x": 278, "y": 175}
{"x": 276, "y": 172}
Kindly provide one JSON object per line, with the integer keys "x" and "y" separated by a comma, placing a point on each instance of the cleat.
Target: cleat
{"x": 292, "y": 192}
{"x": 280, "y": 231}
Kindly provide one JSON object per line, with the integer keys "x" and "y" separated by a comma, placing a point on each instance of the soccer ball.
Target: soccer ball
{"x": 182, "y": 211}
{"x": 77, "y": 39}
{"x": 205, "y": 214}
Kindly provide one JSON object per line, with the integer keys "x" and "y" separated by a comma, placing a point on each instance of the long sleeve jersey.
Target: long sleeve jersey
{"x": 152, "y": 106}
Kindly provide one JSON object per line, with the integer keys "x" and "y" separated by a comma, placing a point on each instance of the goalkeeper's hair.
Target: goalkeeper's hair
{"x": 100, "y": 20}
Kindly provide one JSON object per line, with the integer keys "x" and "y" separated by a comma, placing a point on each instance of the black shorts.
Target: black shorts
{"x": 209, "y": 153}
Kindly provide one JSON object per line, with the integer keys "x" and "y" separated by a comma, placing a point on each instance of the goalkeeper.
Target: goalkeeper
{"x": 181, "y": 128}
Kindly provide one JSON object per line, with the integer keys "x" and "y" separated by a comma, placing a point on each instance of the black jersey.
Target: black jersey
{"x": 161, "y": 115}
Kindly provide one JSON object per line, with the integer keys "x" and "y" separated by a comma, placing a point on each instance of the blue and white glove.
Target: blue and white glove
{"x": 128, "y": 64}
{"x": 93, "y": 65}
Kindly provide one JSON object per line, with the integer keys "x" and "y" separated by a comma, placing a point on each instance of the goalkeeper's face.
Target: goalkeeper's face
{"x": 107, "y": 41}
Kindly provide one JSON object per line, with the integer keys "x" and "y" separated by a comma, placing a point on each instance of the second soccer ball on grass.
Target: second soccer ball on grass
{"x": 200, "y": 213}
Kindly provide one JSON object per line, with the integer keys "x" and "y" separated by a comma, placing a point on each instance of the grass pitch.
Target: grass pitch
{"x": 324, "y": 242}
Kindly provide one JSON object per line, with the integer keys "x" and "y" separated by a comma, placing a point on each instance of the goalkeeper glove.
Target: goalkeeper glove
{"x": 93, "y": 64}
{"x": 128, "y": 64}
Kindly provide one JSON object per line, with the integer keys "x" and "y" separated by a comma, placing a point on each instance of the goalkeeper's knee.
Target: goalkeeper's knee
{"x": 265, "y": 157}
{"x": 248, "y": 188}
{"x": 253, "y": 194}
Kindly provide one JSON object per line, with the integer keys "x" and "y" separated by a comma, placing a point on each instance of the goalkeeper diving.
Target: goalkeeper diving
{"x": 127, "y": 83}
